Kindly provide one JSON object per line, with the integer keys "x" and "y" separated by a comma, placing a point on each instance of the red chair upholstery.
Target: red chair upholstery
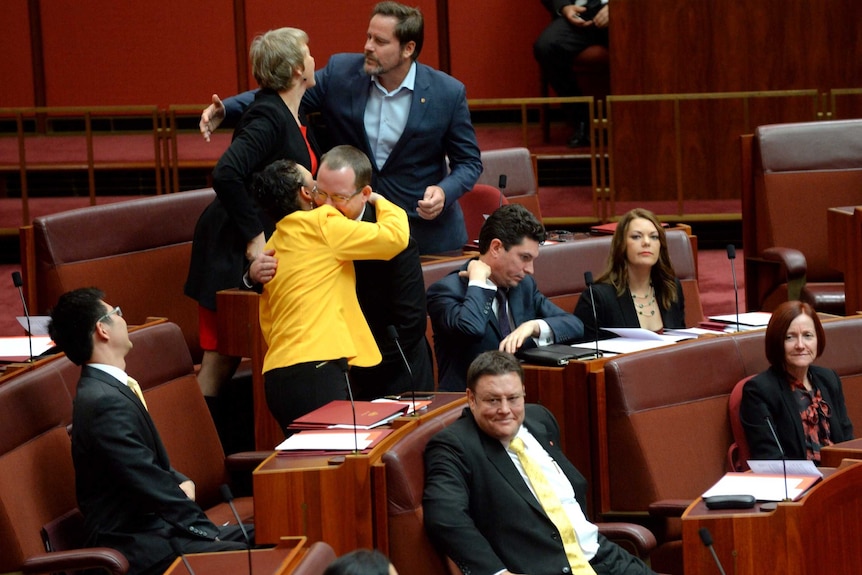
{"x": 792, "y": 174}
{"x": 519, "y": 168}
{"x": 477, "y": 205}
{"x": 738, "y": 454}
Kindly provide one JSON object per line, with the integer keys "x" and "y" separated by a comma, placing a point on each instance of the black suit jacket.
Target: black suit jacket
{"x": 126, "y": 489}
{"x": 613, "y": 311}
{"x": 769, "y": 393}
{"x": 477, "y": 507}
{"x": 266, "y": 132}
{"x": 393, "y": 293}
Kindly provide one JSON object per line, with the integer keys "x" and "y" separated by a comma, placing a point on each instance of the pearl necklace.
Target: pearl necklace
{"x": 639, "y": 307}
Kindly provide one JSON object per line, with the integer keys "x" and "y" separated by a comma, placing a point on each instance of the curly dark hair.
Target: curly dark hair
{"x": 276, "y": 188}
{"x": 510, "y": 224}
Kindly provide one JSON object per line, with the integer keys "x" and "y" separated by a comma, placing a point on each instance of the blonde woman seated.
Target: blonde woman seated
{"x": 309, "y": 314}
{"x": 639, "y": 287}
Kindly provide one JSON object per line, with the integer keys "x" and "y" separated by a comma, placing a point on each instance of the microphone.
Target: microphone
{"x": 228, "y": 497}
{"x": 501, "y": 183}
{"x": 588, "y": 279}
{"x": 342, "y": 363}
{"x": 783, "y": 456}
{"x": 393, "y": 335}
{"x": 176, "y": 548}
{"x": 19, "y": 283}
{"x": 731, "y": 255}
{"x": 706, "y": 537}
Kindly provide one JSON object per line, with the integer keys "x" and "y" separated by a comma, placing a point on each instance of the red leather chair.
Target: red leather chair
{"x": 738, "y": 454}
{"x": 477, "y": 205}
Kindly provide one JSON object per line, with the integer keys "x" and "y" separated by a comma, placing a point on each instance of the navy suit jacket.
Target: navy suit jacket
{"x": 438, "y": 128}
{"x": 126, "y": 488}
{"x": 465, "y": 325}
{"x": 477, "y": 508}
{"x": 769, "y": 393}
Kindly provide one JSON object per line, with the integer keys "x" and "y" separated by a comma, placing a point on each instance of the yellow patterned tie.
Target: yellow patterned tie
{"x": 136, "y": 389}
{"x": 554, "y": 508}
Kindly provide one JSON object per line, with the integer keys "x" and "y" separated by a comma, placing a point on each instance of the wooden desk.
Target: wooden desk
{"x": 281, "y": 559}
{"x": 817, "y": 534}
{"x": 844, "y": 234}
{"x": 833, "y": 455}
{"x": 332, "y": 499}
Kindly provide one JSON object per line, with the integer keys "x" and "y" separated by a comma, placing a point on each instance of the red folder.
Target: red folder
{"x": 339, "y": 412}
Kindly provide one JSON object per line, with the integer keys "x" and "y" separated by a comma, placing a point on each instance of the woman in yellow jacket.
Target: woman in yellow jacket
{"x": 309, "y": 313}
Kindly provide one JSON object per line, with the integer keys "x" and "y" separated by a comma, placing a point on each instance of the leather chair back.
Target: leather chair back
{"x": 519, "y": 168}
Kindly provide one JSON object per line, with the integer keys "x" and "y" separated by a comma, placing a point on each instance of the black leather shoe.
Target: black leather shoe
{"x": 581, "y": 137}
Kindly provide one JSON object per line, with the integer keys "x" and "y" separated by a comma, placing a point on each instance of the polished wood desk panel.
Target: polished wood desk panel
{"x": 844, "y": 234}
{"x": 332, "y": 498}
{"x": 817, "y": 534}
{"x": 833, "y": 455}
{"x": 276, "y": 561}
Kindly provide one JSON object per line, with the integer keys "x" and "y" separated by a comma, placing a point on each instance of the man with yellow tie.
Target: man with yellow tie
{"x": 500, "y": 496}
{"x": 131, "y": 498}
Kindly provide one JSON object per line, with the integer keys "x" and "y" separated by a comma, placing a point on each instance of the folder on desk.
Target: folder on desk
{"x": 340, "y": 413}
{"x": 328, "y": 441}
{"x": 763, "y": 486}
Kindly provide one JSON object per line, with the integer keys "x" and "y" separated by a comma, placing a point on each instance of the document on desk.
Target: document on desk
{"x": 17, "y": 348}
{"x": 326, "y": 440}
{"x": 747, "y": 321}
{"x": 763, "y": 487}
{"x": 637, "y": 339}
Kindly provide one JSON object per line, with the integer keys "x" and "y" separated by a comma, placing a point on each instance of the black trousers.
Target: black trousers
{"x": 611, "y": 559}
{"x": 391, "y": 377}
{"x": 295, "y": 390}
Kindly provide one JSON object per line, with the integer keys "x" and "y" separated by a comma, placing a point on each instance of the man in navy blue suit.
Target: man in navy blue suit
{"x": 407, "y": 117}
{"x": 492, "y": 302}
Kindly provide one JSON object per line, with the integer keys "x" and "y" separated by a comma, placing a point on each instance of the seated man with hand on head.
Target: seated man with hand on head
{"x": 131, "y": 498}
{"x": 500, "y": 497}
{"x": 492, "y": 302}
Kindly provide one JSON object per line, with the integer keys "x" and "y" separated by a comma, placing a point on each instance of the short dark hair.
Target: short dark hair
{"x": 276, "y": 188}
{"x": 779, "y": 323}
{"x": 73, "y": 322}
{"x": 510, "y": 224}
{"x": 345, "y": 156}
{"x": 492, "y": 363}
{"x": 410, "y": 26}
{"x": 359, "y": 562}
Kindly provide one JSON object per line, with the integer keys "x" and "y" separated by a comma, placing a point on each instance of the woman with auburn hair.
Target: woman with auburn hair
{"x": 639, "y": 287}
{"x": 803, "y": 402}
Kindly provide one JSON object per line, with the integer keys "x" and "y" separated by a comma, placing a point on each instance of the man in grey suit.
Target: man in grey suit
{"x": 131, "y": 498}
{"x": 407, "y": 117}
{"x": 481, "y": 505}
{"x": 492, "y": 302}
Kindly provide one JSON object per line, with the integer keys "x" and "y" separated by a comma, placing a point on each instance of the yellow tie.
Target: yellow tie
{"x": 136, "y": 389}
{"x": 554, "y": 508}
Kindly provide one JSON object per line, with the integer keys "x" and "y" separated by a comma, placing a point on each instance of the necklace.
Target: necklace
{"x": 649, "y": 305}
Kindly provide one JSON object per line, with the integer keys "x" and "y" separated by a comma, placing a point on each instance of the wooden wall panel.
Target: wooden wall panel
{"x": 16, "y": 65}
{"x": 333, "y": 26}
{"x": 122, "y": 53}
{"x": 491, "y": 45}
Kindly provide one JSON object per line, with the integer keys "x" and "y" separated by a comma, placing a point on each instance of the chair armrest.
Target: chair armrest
{"x": 245, "y": 461}
{"x": 794, "y": 262}
{"x": 105, "y": 558}
{"x": 635, "y": 538}
{"x": 669, "y": 507}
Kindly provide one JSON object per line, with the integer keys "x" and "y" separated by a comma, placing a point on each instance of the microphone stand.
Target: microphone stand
{"x": 588, "y": 279}
{"x": 783, "y": 456}
{"x": 731, "y": 255}
{"x": 393, "y": 335}
{"x": 227, "y": 495}
{"x": 342, "y": 363}
{"x": 19, "y": 283}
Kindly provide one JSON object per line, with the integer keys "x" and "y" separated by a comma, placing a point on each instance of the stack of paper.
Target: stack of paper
{"x": 766, "y": 482}
{"x": 747, "y": 321}
{"x": 329, "y": 441}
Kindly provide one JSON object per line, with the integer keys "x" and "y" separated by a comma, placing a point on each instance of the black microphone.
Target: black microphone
{"x": 19, "y": 283}
{"x": 393, "y": 335}
{"x": 706, "y": 537}
{"x": 731, "y": 255}
{"x": 342, "y": 363}
{"x": 228, "y": 497}
{"x": 179, "y": 552}
{"x": 501, "y": 183}
{"x": 783, "y": 456}
{"x": 588, "y": 279}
